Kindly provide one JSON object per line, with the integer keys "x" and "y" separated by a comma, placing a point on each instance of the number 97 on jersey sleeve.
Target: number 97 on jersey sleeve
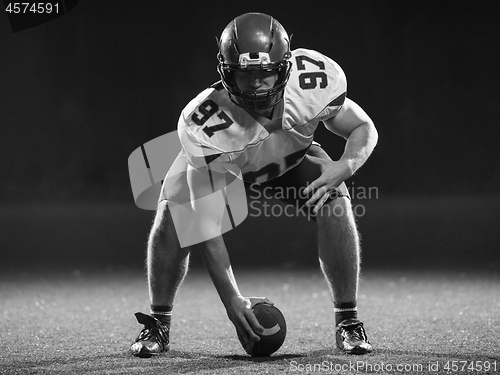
{"x": 204, "y": 112}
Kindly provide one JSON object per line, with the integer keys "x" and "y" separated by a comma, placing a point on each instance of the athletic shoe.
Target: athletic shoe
{"x": 153, "y": 339}
{"x": 351, "y": 337}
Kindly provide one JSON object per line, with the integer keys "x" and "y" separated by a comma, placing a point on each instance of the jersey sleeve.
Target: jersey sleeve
{"x": 317, "y": 86}
{"x": 198, "y": 152}
{"x": 340, "y": 92}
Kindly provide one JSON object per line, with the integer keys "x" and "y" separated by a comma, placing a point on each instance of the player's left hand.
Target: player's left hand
{"x": 333, "y": 173}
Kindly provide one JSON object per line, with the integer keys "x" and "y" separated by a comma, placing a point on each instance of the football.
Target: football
{"x": 273, "y": 321}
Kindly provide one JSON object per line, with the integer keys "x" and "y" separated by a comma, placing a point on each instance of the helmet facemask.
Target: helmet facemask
{"x": 256, "y": 99}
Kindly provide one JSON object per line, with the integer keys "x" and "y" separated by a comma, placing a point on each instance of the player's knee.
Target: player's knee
{"x": 163, "y": 233}
{"x": 338, "y": 211}
{"x": 162, "y": 218}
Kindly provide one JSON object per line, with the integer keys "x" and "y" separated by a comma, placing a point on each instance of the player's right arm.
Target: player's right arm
{"x": 206, "y": 188}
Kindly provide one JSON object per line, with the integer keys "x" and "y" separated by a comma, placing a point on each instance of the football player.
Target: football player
{"x": 258, "y": 123}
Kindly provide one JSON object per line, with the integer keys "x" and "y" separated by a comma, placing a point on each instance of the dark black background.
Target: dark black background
{"x": 78, "y": 94}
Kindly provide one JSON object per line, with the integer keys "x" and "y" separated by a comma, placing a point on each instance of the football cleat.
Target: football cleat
{"x": 351, "y": 337}
{"x": 153, "y": 339}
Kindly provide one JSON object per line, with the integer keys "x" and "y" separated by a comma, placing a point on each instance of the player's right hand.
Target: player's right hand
{"x": 239, "y": 311}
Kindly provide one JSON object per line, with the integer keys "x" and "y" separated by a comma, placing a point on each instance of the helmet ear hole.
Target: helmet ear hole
{"x": 254, "y": 41}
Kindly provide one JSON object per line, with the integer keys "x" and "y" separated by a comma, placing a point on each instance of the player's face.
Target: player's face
{"x": 253, "y": 80}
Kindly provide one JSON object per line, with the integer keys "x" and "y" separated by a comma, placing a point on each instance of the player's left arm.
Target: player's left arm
{"x": 356, "y": 127}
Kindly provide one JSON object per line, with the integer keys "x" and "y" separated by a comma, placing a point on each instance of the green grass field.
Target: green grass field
{"x": 81, "y": 322}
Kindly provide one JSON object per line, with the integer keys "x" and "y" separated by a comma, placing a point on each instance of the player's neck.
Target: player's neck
{"x": 270, "y": 119}
{"x": 265, "y": 113}
{"x": 271, "y": 113}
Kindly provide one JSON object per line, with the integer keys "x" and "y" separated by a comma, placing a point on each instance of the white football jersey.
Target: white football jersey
{"x": 213, "y": 130}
